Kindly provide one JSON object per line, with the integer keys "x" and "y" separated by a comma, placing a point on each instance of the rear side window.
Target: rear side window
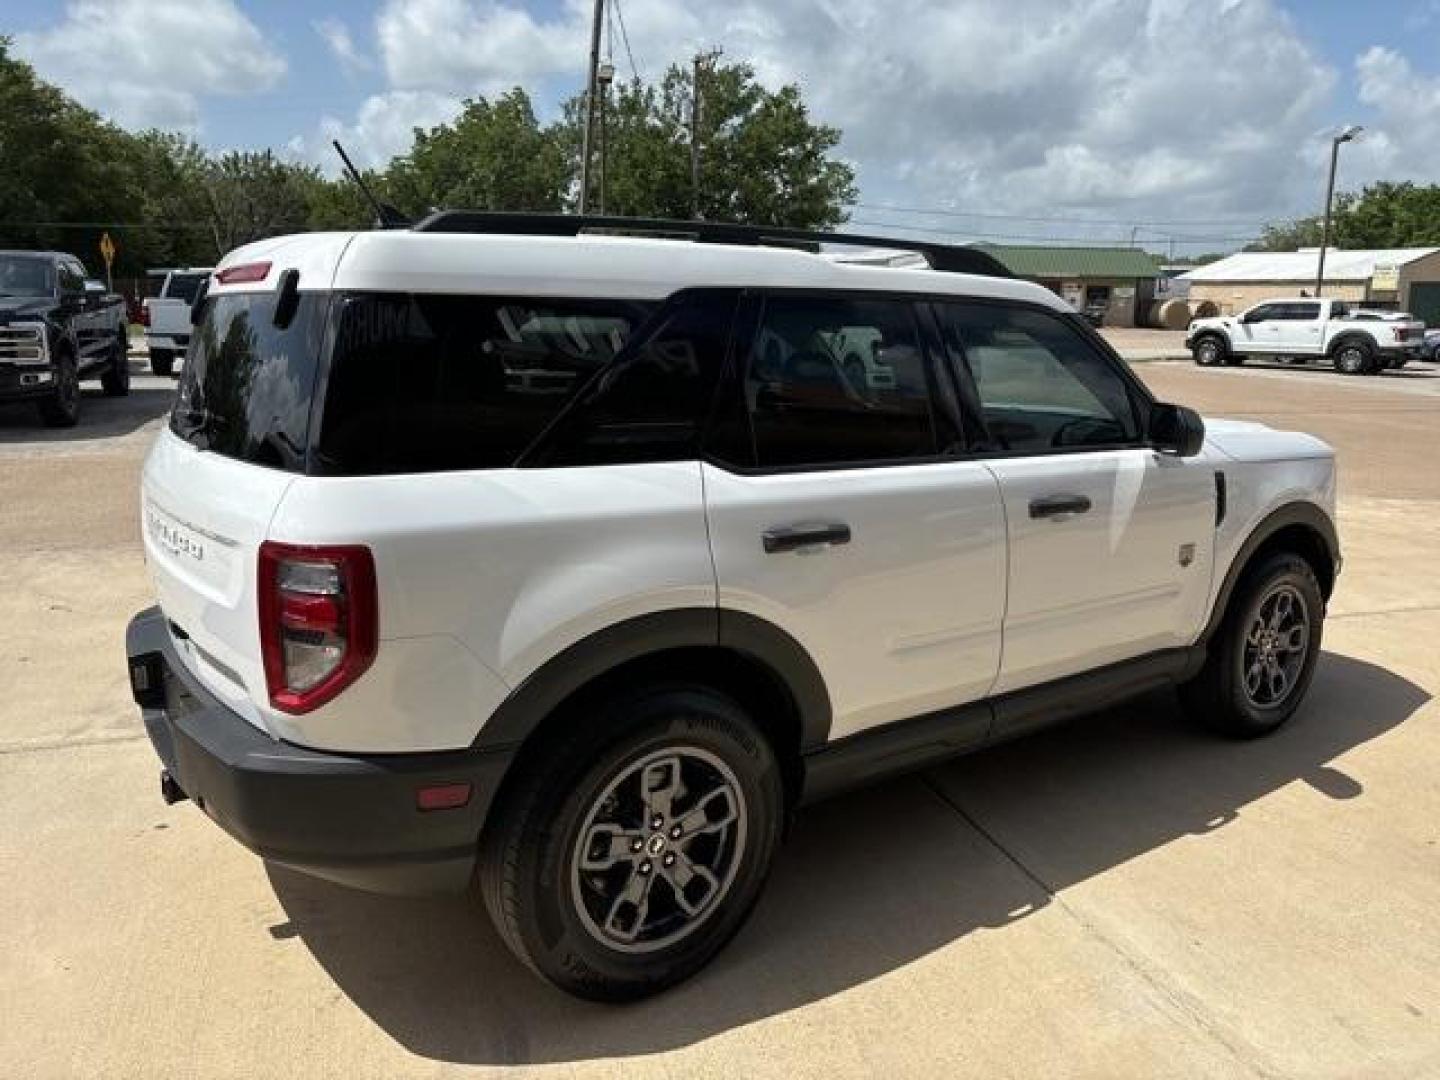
{"x": 246, "y": 387}
{"x": 836, "y": 381}
{"x": 651, "y": 404}
{"x": 1041, "y": 385}
{"x": 421, "y": 383}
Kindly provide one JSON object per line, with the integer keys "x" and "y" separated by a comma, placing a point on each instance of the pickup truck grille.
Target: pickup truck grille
{"x": 22, "y": 345}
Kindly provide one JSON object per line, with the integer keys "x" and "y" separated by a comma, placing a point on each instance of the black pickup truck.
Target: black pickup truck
{"x": 56, "y": 328}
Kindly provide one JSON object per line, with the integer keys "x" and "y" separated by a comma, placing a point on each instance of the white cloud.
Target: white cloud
{"x": 383, "y": 126}
{"x": 336, "y": 36}
{"x": 465, "y": 47}
{"x": 1403, "y": 141}
{"x": 1117, "y": 109}
{"x": 145, "y": 63}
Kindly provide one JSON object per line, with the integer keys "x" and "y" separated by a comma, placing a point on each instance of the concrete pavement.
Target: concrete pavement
{"x": 1123, "y": 897}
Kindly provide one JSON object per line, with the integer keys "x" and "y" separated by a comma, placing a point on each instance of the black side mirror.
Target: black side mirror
{"x": 1174, "y": 429}
{"x": 1249, "y": 317}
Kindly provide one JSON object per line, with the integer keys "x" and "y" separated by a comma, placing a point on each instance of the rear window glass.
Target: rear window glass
{"x": 184, "y": 286}
{"x": 246, "y": 387}
{"x": 423, "y": 383}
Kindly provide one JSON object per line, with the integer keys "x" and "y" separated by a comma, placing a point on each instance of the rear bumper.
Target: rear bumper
{"x": 350, "y": 819}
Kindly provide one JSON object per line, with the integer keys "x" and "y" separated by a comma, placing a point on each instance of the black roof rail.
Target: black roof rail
{"x": 948, "y": 257}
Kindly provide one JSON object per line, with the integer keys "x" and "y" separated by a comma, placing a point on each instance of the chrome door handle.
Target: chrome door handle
{"x": 789, "y": 537}
{"x": 1050, "y": 506}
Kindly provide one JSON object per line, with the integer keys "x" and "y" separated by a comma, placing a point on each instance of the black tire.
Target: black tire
{"x": 61, "y": 408}
{"x": 1353, "y": 357}
{"x": 1209, "y": 351}
{"x": 162, "y": 362}
{"x": 563, "y": 918}
{"x": 116, "y": 379}
{"x": 1225, "y": 696}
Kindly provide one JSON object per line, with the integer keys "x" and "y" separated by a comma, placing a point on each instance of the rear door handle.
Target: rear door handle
{"x": 789, "y": 537}
{"x": 1050, "y": 506}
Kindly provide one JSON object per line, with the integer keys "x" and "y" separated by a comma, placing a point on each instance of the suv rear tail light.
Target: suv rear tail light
{"x": 319, "y": 621}
{"x": 144, "y": 315}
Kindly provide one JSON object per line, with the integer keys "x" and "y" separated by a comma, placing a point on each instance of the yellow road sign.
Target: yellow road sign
{"x": 107, "y": 249}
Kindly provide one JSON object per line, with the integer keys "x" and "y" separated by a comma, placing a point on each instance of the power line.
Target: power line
{"x": 625, "y": 39}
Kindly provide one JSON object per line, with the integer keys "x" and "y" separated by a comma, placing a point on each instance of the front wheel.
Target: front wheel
{"x": 1263, "y": 656}
{"x": 1208, "y": 352}
{"x": 61, "y": 409}
{"x": 635, "y": 845}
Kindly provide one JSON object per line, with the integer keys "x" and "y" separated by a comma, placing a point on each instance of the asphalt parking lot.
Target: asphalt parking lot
{"x": 1120, "y": 897}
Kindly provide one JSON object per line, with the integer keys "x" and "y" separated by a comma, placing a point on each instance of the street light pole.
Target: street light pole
{"x": 1344, "y": 136}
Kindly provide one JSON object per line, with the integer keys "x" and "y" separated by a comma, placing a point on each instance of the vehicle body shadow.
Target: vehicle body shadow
{"x": 101, "y": 417}
{"x": 866, "y": 884}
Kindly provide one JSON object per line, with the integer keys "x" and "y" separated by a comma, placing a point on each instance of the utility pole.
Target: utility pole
{"x": 695, "y": 137}
{"x": 603, "y": 79}
{"x": 1344, "y": 137}
{"x": 590, "y": 105}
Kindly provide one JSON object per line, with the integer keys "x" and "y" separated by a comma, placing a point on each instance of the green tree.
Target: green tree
{"x": 493, "y": 156}
{"x": 254, "y": 195}
{"x": 763, "y": 160}
{"x": 1383, "y": 215}
{"x": 64, "y": 172}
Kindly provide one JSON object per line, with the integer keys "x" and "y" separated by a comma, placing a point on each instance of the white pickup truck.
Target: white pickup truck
{"x": 1356, "y": 341}
{"x": 166, "y": 316}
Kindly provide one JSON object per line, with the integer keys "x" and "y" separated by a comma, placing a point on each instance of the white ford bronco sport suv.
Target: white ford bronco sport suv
{"x": 1304, "y": 329}
{"x": 502, "y": 547}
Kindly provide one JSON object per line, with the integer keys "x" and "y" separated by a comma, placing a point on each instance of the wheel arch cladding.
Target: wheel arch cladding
{"x": 1301, "y": 528}
{"x": 1352, "y": 337}
{"x": 761, "y": 666}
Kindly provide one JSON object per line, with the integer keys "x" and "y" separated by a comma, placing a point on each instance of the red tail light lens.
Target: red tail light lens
{"x": 144, "y": 315}
{"x": 319, "y": 621}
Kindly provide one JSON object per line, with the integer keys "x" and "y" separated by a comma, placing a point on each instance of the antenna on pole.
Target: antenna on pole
{"x": 386, "y": 216}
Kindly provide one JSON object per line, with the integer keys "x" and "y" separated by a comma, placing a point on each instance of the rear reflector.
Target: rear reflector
{"x": 239, "y": 275}
{"x": 319, "y": 624}
{"x": 442, "y": 796}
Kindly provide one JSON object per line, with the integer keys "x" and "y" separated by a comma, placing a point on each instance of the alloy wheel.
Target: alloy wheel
{"x": 1277, "y": 640}
{"x": 658, "y": 849}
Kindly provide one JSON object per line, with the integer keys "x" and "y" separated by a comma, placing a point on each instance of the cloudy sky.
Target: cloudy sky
{"x": 1184, "y": 121}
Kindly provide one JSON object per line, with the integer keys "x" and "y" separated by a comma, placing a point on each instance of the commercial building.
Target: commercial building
{"x": 1402, "y": 279}
{"x": 1115, "y": 285}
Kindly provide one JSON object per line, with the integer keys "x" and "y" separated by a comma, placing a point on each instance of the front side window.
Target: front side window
{"x": 835, "y": 380}
{"x": 432, "y": 383}
{"x": 1300, "y": 312}
{"x": 246, "y": 387}
{"x": 1263, "y": 313}
{"x": 1041, "y": 385}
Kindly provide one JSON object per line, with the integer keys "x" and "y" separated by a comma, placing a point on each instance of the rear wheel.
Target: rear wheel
{"x": 61, "y": 409}
{"x": 1354, "y": 358}
{"x": 162, "y": 362}
{"x": 634, "y": 847}
{"x": 116, "y": 380}
{"x": 1263, "y": 656}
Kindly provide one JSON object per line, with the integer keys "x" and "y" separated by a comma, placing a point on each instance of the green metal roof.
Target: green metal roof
{"x": 1074, "y": 262}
